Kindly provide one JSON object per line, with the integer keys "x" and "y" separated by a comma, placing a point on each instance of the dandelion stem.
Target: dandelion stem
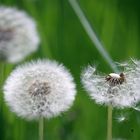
{"x": 41, "y": 128}
{"x": 2, "y": 73}
{"x": 109, "y": 123}
{"x": 91, "y": 33}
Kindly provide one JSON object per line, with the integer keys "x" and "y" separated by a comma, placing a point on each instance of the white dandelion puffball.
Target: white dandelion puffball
{"x": 120, "y": 92}
{"x": 41, "y": 88}
{"x": 18, "y": 35}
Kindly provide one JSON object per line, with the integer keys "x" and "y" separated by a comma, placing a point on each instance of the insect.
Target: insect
{"x": 115, "y": 79}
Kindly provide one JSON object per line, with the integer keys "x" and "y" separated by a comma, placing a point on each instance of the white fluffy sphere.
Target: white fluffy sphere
{"x": 41, "y": 88}
{"x": 122, "y": 95}
{"x": 18, "y": 35}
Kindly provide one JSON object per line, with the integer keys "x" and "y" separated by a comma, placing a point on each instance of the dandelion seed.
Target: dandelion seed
{"x": 18, "y": 35}
{"x": 137, "y": 107}
{"x": 121, "y": 118}
{"x": 39, "y": 89}
{"x": 118, "y": 90}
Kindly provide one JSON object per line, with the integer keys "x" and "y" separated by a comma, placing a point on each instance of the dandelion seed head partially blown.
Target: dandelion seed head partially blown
{"x": 18, "y": 35}
{"x": 39, "y": 89}
{"x": 122, "y": 95}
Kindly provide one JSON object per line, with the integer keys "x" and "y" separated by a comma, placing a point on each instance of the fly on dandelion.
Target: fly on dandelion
{"x": 115, "y": 79}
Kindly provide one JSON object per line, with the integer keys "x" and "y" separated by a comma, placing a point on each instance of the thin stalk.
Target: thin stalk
{"x": 109, "y": 123}
{"x": 2, "y": 74}
{"x": 41, "y": 128}
{"x": 91, "y": 33}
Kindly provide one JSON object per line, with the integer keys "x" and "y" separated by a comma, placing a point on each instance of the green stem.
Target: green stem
{"x": 41, "y": 128}
{"x": 2, "y": 74}
{"x": 109, "y": 123}
{"x": 92, "y": 35}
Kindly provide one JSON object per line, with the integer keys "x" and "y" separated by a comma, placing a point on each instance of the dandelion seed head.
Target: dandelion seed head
{"x": 18, "y": 35}
{"x": 40, "y": 88}
{"x": 119, "y": 95}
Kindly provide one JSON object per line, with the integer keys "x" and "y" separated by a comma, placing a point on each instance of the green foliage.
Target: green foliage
{"x": 64, "y": 39}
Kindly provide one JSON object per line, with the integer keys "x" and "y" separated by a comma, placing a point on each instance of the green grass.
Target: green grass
{"x": 64, "y": 39}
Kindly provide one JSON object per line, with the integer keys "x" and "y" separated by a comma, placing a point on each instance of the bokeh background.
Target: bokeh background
{"x": 117, "y": 24}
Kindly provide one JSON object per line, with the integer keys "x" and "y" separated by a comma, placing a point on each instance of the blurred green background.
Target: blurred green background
{"x": 117, "y": 23}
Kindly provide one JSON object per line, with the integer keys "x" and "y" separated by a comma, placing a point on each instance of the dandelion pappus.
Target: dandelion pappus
{"x": 115, "y": 79}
